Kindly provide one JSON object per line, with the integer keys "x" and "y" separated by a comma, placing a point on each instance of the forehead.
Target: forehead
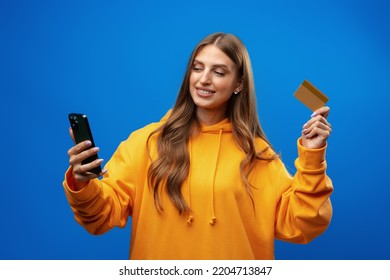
{"x": 212, "y": 55}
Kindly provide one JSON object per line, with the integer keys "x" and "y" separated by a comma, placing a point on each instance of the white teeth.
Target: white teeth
{"x": 205, "y": 92}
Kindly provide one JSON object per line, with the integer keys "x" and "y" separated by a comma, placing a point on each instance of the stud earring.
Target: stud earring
{"x": 236, "y": 92}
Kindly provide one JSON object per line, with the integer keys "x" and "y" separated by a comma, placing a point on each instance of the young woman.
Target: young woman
{"x": 204, "y": 183}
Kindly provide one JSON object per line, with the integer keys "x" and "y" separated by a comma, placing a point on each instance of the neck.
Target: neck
{"x": 209, "y": 117}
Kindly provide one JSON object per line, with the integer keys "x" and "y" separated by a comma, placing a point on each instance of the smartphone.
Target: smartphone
{"x": 81, "y": 132}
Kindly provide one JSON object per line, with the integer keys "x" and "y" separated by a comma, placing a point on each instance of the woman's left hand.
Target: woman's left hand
{"x": 317, "y": 129}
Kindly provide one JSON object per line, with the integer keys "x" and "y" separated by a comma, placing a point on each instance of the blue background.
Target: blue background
{"x": 122, "y": 62}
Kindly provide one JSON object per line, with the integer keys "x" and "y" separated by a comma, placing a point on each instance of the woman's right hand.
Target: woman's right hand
{"x": 77, "y": 154}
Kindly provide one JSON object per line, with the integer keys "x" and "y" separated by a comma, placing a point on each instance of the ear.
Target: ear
{"x": 239, "y": 86}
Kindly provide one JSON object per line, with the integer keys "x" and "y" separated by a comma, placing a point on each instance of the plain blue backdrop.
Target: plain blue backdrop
{"x": 122, "y": 62}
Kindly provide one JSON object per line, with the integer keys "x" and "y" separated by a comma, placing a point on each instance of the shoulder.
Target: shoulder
{"x": 137, "y": 146}
{"x": 142, "y": 134}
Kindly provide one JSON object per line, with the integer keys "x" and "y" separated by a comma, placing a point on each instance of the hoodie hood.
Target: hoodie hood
{"x": 224, "y": 125}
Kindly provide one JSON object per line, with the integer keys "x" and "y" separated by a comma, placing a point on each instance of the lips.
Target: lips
{"x": 204, "y": 91}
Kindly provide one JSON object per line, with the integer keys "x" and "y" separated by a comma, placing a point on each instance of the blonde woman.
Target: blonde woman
{"x": 204, "y": 182}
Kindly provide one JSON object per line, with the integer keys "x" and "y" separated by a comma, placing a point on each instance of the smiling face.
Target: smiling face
{"x": 213, "y": 80}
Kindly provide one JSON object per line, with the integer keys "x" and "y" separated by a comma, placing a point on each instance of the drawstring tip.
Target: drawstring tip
{"x": 189, "y": 220}
{"x": 213, "y": 220}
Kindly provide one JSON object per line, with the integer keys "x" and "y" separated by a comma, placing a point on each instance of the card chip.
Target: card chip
{"x": 310, "y": 96}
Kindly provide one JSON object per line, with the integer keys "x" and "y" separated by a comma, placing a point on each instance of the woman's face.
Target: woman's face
{"x": 213, "y": 80}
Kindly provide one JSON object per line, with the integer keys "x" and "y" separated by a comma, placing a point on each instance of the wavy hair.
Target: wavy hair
{"x": 171, "y": 167}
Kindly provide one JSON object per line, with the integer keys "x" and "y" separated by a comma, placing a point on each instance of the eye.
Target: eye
{"x": 219, "y": 73}
{"x": 196, "y": 68}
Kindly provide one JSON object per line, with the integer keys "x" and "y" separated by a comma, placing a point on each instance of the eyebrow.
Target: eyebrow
{"x": 214, "y": 65}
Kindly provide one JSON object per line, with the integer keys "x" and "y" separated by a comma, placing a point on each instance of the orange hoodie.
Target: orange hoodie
{"x": 224, "y": 223}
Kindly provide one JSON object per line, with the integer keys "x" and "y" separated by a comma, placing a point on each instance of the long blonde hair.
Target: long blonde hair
{"x": 171, "y": 167}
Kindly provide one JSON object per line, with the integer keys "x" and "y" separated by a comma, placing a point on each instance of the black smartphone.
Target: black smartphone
{"x": 81, "y": 132}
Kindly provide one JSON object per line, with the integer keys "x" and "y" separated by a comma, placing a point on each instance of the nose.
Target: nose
{"x": 205, "y": 78}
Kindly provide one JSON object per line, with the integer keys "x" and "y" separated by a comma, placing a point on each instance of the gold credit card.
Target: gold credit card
{"x": 309, "y": 95}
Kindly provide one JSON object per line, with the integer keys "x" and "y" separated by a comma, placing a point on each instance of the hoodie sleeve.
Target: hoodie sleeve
{"x": 304, "y": 209}
{"x": 106, "y": 203}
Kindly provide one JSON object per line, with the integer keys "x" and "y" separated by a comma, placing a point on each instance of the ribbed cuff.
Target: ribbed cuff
{"x": 81, "y": 195}
{"x": 311, "y": 159}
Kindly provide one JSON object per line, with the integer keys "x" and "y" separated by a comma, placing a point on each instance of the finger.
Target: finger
{"x": 78, "y": 148}
{"x": 104, "y": 171}
{"x": 81, "y": 172}
{"x": 317, "y": 124}
{"x": 80, "y": 157}
{"x": 86, "y": 168}
{"x": 317, "y": 132}
{"x": 316, "y": 127}
{"x": 315, "y": 120}
{"x": 323, "y": 111}
{"x": 83, "y": 177}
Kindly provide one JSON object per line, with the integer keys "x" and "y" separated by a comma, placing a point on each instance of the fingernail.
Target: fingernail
{"x": 314, "y": 114}
{"x": 88, "y": 143}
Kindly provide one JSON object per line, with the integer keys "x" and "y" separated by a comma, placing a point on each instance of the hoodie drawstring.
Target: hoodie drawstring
{"x": 213, "y": 218}
{"x": 190, "y": 216}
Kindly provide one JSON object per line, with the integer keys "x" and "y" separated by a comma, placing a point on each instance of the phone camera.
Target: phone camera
{"x": 75, "y": 126}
